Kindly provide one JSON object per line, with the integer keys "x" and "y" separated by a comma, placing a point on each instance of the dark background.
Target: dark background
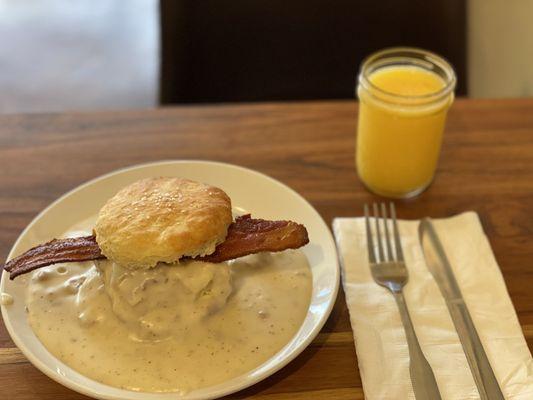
{"x": 242, "y": 50}
{"x": 64, "y": 55}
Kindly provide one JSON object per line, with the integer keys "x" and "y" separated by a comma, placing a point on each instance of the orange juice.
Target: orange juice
{"x": 402, "y": 112}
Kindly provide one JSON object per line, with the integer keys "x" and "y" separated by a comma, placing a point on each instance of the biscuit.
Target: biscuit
{"x": 161, "y": 220}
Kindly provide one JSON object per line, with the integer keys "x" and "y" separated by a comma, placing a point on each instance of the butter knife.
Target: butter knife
{"x": 440, "y": 268}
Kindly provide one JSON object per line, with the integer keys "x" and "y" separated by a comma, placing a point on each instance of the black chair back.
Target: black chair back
{"x": 260, "y": 50}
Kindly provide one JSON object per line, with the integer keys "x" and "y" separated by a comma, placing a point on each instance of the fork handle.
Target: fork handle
{"x": 422, "y": 377}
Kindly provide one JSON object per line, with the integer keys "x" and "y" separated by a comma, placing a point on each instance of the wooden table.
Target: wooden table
{"x": 486, "y": 165}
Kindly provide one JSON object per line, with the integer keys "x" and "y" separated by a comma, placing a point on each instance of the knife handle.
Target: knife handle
{"x": 482, "y": 372}
{"x": 422, "y": 378}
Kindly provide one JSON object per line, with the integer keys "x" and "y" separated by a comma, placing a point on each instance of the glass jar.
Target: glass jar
{"x": 404, "y": 96}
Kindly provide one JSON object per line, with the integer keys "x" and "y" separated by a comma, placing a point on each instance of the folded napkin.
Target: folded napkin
{"x": 378, "y": 332}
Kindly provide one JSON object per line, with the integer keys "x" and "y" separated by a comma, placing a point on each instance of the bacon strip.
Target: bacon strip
{"x": 56, "y": 251}
{"x": 245, "y": 236}
{"x": 248, "y": 236}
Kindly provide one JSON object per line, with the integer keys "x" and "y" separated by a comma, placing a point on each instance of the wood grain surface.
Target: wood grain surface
{"x": 486, "y": 166}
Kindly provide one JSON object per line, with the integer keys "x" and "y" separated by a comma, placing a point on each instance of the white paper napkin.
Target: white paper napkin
{"x": 378, "y": 332}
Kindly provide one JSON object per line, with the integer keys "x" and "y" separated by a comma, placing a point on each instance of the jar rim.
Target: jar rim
{"x": 418, "y": 57}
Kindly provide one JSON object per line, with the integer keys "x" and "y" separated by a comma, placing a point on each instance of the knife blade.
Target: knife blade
{"x": 440, "y": 268}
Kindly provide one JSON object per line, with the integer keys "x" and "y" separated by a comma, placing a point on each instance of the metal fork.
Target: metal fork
{"x": 389, "y": 270}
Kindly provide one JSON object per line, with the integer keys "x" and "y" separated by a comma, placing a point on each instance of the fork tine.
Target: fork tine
{"x": 370, "y": 242}
{"x": 378, "y": 233}
{"x": 390, "y": 256}
{"x": 397, "y": 243}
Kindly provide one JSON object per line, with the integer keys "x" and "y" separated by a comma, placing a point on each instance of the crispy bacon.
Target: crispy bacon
{"x": 245, "y": 236}
{"x": 248, "y": 236}
{"x": 56, "y": 251}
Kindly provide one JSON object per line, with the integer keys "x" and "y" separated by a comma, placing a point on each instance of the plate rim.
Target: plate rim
{"x": 44, "y": 368}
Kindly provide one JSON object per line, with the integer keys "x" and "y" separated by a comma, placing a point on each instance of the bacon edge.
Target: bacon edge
{"x": 248, "y": 236}
{"x": 245, "y": 236}
{"x": 54, "y": 252}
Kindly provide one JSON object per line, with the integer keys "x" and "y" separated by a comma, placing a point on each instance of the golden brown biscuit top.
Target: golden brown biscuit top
{"x": 161, "y": 220}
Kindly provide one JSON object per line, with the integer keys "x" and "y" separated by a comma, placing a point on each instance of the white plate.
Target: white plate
{"x": 259, "y": 194}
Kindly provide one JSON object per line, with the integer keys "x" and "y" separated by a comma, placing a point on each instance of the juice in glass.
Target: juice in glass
{"x": 404, "y": 95}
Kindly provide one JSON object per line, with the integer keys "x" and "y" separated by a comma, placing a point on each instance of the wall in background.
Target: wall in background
{"x": 78, "y": 55}
{"x": 104, "y": 54}
{"x": 500, "y": 48}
